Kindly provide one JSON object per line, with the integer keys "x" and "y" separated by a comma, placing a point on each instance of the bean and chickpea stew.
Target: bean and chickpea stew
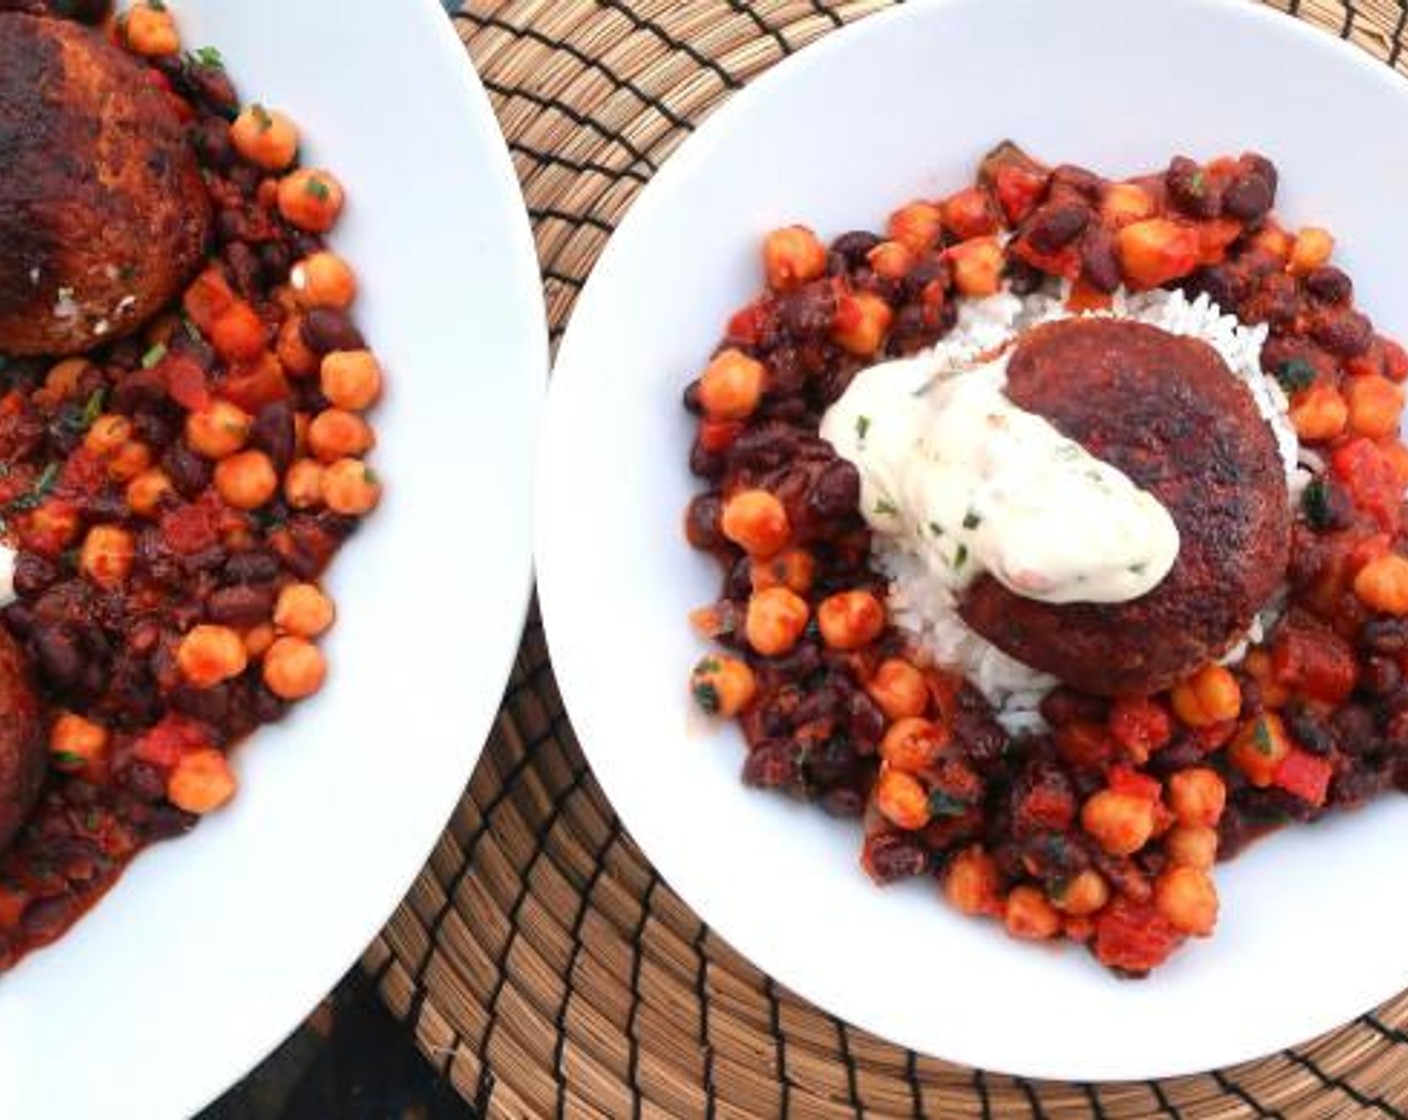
{"x": 1104, "y": 828}
{"x": 174, "y": 499}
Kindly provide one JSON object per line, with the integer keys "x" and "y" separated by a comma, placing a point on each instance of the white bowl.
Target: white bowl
{"x": 213, "y": 947}
{"x": 902, "y": 105}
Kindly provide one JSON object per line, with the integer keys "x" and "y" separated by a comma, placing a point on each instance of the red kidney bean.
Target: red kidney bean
{"x": 1191, "y": 190}
{"x": 241, "y": 607}
{"x": 1099, "y": 260}
{"x": 808, "y": 312}
{"x": 324, "y": 330}
{"x": 836, "y": 491}
{"x": 1329, "y": 285}
{"x": 1068, "y": 178}
{"x": 189, "y": 473}
{"x": 1063, "y": 705}
{"x": 1055, "y": 225}
{"x": 273, "y": 433}
{"x": 1344, "y": 332}
{"x": 851, "y": 249}
{"x": 58, "y": 656}
{"x": 772, "y": 766}
{"x": 1248, "y": 197}
{"x": 842, "y": 802}
{"x": 1224, "y": 284}
{"x": 891, "y": 856}
{"x": 703, "y": 522}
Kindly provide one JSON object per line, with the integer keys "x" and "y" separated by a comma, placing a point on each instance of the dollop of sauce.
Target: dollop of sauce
{"x": 971, "y": 483}
{"x": 7, "y": 576}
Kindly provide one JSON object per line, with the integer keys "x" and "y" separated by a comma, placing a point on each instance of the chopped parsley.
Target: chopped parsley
{"x": 210, "y": 58}
{"x": 38, "y": 492}
{"x": 262, "y": 118}
{"x": 156, "y": 5}
{"x": 1138, "y": 569}
{"x": 943, "y": 804}
{"x": 68, "y": 758}
{"x": 1197, "y": 183}
{"x": 1068, "y": 452}
{"x": 862, "y": 426}
{"x": 152, "y": 358}
{"x": 960, "y": 557}
{"x": 1315, "y": 501}
{"x": 707, "y": 697}
{"x": 93, "y": 408}
{"x": 1295, "y": 374}
{"x": 886, "y": 508}
{"x": 369, "y": 476}
{"x": 316, "y": 188}
{"x": 1261, "y": 739}
{"x": 972, "y": 519}
{"x": 936, "y": 528}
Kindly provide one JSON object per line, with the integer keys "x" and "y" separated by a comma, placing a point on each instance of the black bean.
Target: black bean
{"x": 1248, "y": 197}
{"x": 1385, "y": 635}
{"x": 167, "y": 822}
{"x": 275, "y": 261}
{"x": 211, "y": 137}
{"x": 853, "y": 247}
{"x": 273, "y": 433}
{"x": 45, "y": 918}
{"x": 1309, "y": 730}
{"x": 1063, "y": 705}
{"x": 189, "y": 473}
{"x": 211, "y": 85}
{"x": 738, "y": 584}
{"x": 1022, "y": 277}
{"x": 772, "y": 766}
{"x": 1099, "y": 260}
{"x": 144, "y": 782}
{"x": 243, "y": 268}
{"x": 1380, "y": 675}
{"x": 209, "y": 705}
{"x": 1190, "y": 190}
{"x": 703, "y": 526}
{"x": 1344, "y": 333}
{"x": 1262, "y": 166}
{"x": 58, "y": 656}
{"x": 843, "y": 802}
{"x": 240, "y": 606}
{"x": 690, "y": 399}
{"x": 1070, "y": 177}
{"x": 764, "y": 447}
{"x": 809, "y": 311}
{"x": 265, "y": 706}
{"x": 890, "y": 857}
{"x": 1224, "y": 285}
{"x": 1054, "y": 226}
{"x": 324, "y": 330}
{"x": 800, "y": 663}
{"x": 705, "y": 463}
{"x": 251, "y": 567}
{"x": 1330, "y": 285}
{"x": 33, "y": 575}
{"x": 192, "y": 346}
{"x": 865, "y": 722}
{"x": 836, "y": 491}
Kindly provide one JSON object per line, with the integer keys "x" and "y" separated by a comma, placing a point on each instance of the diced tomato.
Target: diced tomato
{"x": 1134, "y": 937}
{"x": 1395, "y": 361}
{"x": 746, "y": 326}
{"x": 1064, "y": 262}
{"x": 718, "y": 435}
{"x": 1124, "y": 779}
{"x": 1049, "y": 806}
{"x": 164, "y": 744}
{"x": 1141, "y": 726}
{"x": 83, "y": 475}
{"x": 12, "y": 904}
{"x": 1213, "y": 238}
{"x": 208, "y": 297}
{"x": 1314, "y": 661}
{"x": 185, "y": 382}
{"x": 1305, "y": 775}
{"x": 1086, "y": 744}
{"x": 252, "y": 385}
{"x": 191, "y": 528}
{"x": 1370, "y": 479}
{"x": 970, "y": 213}
{"x": 1085, "y": 297}
{"x": 1157, "y": 250}
{"x": 1018, "y": 191}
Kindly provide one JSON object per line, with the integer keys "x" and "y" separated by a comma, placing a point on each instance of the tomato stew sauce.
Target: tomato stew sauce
{"x": 174, "y": 499}
{"x": 1103, "y": 830}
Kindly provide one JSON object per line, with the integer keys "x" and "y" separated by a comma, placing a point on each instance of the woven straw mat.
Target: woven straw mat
{"x": 540, "y": 960}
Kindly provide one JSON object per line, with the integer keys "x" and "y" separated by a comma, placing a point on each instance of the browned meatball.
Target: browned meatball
{"x": 21, "y": 742}
{"x": 1165, "y": 410}
{"x": 103, "y": 214}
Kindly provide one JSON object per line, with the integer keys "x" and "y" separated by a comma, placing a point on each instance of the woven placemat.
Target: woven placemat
{"x": 542, "y": 963}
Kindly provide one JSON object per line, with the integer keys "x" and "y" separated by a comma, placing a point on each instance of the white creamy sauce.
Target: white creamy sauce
{"x": 7, "y": 576}
{"x": 971, "y": 483}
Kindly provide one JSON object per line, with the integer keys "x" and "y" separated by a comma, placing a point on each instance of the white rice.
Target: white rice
{"x": 922, "y": 605}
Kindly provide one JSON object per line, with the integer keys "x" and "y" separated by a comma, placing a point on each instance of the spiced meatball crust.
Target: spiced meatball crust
{"x": 103, "y": 213}
{"x": 21, "y": 741}
{"x": 1166, "y": 411}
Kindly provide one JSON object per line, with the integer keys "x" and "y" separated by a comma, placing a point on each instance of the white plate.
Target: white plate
{"x": 213, "y": 946}
{"x": 903, "y": 104}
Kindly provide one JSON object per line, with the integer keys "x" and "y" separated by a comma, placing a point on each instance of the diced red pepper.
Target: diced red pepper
{"x": 1141, "y": 726}
{"x": 1369, "y": 477}
{"x": 1065, "y": 262}
{"x": 83, "y": 475}
{"x": 208, "y": 297}
{"x": 164, "y": 744}
{"x": 12, "y": 904}
{"x": 746, "y": 326}
{"x": 185, "y": 382}
{"x": 1134, "y": 937}
{"x": 1313, "y": 661}
{"x": 1124, "y": 779}
{"x": 252, "y": 385}
{"x": 1304, "y": 775}
{"x": 1018, "y": 191}
{"x": 718, "y": 435}
{"x": 1086, "y": 744}
{"x": 1086, "y": 297}
{"x": 1213, "y": 238}
{"x": 192, "y": 528}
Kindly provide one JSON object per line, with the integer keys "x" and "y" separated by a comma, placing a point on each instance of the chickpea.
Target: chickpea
{"x": 211, "y": 655}
{"x": 794, "y": 568}
{"x": 258, "y": 640}
{"x": 130, "y": 460}
{"x": 722, "y": 686}
{"x": 50, "y": 529}
{"x": 913, "y": 744}
{"x": 901, "y": 799}
{"x": 756, "y": 521}
{"x": 899, "y": 689}
{"x": 1375, "y": 406}
{"x": 850, "y": 620}
{"x": 793, "y": 256}
{"x": 247, "y": 480}
{"x": 977, "y": 265}
{"x": 107, "y": 556}
{"x": 350, "y": 487}
{"x": 238, "y": 334}
{"x": 1310, "y": 250}
{"x": 298, "y": 359}
{"x": 893, "y": 260}
{"x": 74, "y": 742}
{"x": 970, "y": 213}
{"x": 1122, "y": 204}
{"x": 1121, "y": 822}
{"x": 1319, "y": 413}
{"x": 294, "y": 668}
{"x": 1382, "y": 584}
{"x": 731, "y": 385}
{"x": 147, "y": 492}
{"x": 1030, "y": 916}
{"x": 336, "y": 434}
{"x": 1272, "y": 239}
{"x": 304, "y": 611}
{"x": 265, "y": 137}
{"x": 775, "y": 620}
{"x": 303, "y": 485}
{"x": 149, "y": 30}
{"x": 1259, "y": 748}
{"x": 972, "y": 882}
{"x": 311, "y": 200}
{"x": 1257, "y": 665}
{"x": 1156, "y": 250}
{"x": 1211, "y": 695}
{"x": 1187, "y": 898}
{"x": 1085, "y": 894}
{"x": 1192, "y": 845}
{"x": 861, "y": 323}
{"x": 107, "y": 433}
{"x": 324, "y": 279}
{"x": 1197, "y": 796}
{"x": 219, "y": 430}
{"x": 351, "y": 379}
{"x": 917, "y": 226}
{"x": 201, "y": 781}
